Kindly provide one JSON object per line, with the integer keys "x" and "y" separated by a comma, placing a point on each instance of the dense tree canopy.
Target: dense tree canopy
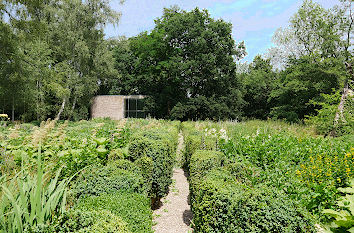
{"x": 186, "y": 65}
{"x": 258, "y": 82}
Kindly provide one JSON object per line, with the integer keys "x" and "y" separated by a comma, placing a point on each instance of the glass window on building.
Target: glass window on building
{"x": 134, "y": 108}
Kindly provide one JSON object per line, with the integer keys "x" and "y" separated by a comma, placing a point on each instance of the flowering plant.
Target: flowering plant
{"x": 4, "y": 117}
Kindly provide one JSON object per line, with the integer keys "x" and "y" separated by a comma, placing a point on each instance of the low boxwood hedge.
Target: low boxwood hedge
{"x": 119, "y": 175}
{"x": 223, "y": 204}
{"x": 132, "y": 208}
{"x": 162, "y": 153}
{"x": 196, "y": 141}
{"x": 201, "y": 162}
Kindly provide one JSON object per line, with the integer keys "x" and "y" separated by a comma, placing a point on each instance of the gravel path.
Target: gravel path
{"x": 174, "y": 215}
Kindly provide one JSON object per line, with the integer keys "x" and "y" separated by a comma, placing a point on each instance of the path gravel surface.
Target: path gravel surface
{"x": 174, "y": 214}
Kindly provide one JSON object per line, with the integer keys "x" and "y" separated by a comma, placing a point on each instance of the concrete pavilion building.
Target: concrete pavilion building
{"x": 117, "y": 107}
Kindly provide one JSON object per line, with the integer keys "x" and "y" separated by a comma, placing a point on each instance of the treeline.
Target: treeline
{"x": 53, "y": 56}
{"x": 54, "y": 59}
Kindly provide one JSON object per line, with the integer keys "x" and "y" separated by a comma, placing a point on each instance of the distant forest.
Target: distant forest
{"x": 54, "y": 58}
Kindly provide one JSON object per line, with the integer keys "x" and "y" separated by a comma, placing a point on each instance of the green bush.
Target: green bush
{"x": 196, "y": 141}
{"x": 76, "y": 220}
{"x": 202, "y": 161}
{"x": 146, "y": 166}
{"x": 132, "y": 208}
{"x": 324, "y": 119}
{"x": 169, "y": 134}
{"x": 244, "y": 172}
{"x": 163, "y": 158}
{"x": 222, "y": 204}
{"x": 120, "y": 175}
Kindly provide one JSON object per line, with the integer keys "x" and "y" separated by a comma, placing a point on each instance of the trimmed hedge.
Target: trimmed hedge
{"x": 160, "y": 148}
{"x": 195, "y": 142}
{"x": 226, "y": 196}
{"x": 119, "y": 175}
{"x": 95, "y": 221}
{"x": 79, "y": 221}
{"x": 132, "y": 208}
{"x": 222, "y": 204}
{"x": 203, "y": 161}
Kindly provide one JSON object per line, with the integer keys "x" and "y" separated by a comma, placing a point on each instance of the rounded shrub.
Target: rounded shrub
{"x": 120, "y": 175}
{"x": 76, "y": 220}
{"x": 132, "y": 208}
{"x": 195, "y": 141}
{"x": 222, "y": 204}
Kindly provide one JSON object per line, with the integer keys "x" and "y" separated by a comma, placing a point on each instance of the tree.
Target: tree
{"x": 346, "y": 15}
{"x": 304, "y": 80}
{"x": 314, "y": 30}
{"x": 188, "y": 60}
{"x": 321, "y": 35}
{"x": 258, "y": 83}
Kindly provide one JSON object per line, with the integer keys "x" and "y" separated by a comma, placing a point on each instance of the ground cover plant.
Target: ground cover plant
{"x": 87, "y": 176}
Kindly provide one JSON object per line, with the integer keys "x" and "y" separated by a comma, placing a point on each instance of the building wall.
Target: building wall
{"x": 111, "y": 106}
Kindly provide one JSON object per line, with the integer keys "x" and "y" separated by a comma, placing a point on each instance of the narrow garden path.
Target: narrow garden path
{"x": 174, "y": 215}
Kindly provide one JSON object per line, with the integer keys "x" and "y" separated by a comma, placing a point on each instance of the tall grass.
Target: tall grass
{"x": 30, "y": 200}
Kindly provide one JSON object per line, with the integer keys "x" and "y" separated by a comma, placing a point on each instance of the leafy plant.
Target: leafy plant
{"x": 117, "y": 176}
{"x": 343, "y": 219}
{"x": 324, "y": 119}
{"x": 162, "y": 153}
{"x": 132, "y": 208}
{"x": 31, "y": 200}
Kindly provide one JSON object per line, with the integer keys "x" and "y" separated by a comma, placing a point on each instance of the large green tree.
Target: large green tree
{"x": 322, "y": 38}
{"x": 302, "y": 82}
{"x": 186, "y": 66}
{"x": 258, "y": 83}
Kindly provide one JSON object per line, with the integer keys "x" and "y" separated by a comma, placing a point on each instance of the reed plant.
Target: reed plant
{"x": 30, "y": 200}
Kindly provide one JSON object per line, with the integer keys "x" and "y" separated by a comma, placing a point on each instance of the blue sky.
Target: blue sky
{"x": 254, "y": 21}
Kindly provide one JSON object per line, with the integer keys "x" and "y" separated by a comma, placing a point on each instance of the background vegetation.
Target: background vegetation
{"x": 54, "y": 58}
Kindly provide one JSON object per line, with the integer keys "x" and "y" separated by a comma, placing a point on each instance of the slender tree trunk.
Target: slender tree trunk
{"x": 37, "y": 102}
{"x": 61, "y": 109}
{"x": 72, "y": 109}
{"x": 340, "y": 110}
{"x": 13, "y": 109}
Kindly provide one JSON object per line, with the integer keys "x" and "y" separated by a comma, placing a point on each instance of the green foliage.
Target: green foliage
{"x": 271, "y": 177}
{"x": 304, "y": 80}
{"x": 258, "y": 83}
{"x": 309, "y": 168}
{"x": 132, "y": 208}
{"x": 202, "y": 161}
{"x": 146, "y": 166}
{"x": 185, "y": 65}
{"x": 222, "y": 204}
{"x": 58, "y": 55}
{"x": 196, "y": 141}
{"x": 31, "y": 200}
{"x": 117, "y": 176}
{"x": 76, "y": 220}
{"x": 343, "y": 220}
{"x": 323, "y": 121}
{"x": 163, "y": 157}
